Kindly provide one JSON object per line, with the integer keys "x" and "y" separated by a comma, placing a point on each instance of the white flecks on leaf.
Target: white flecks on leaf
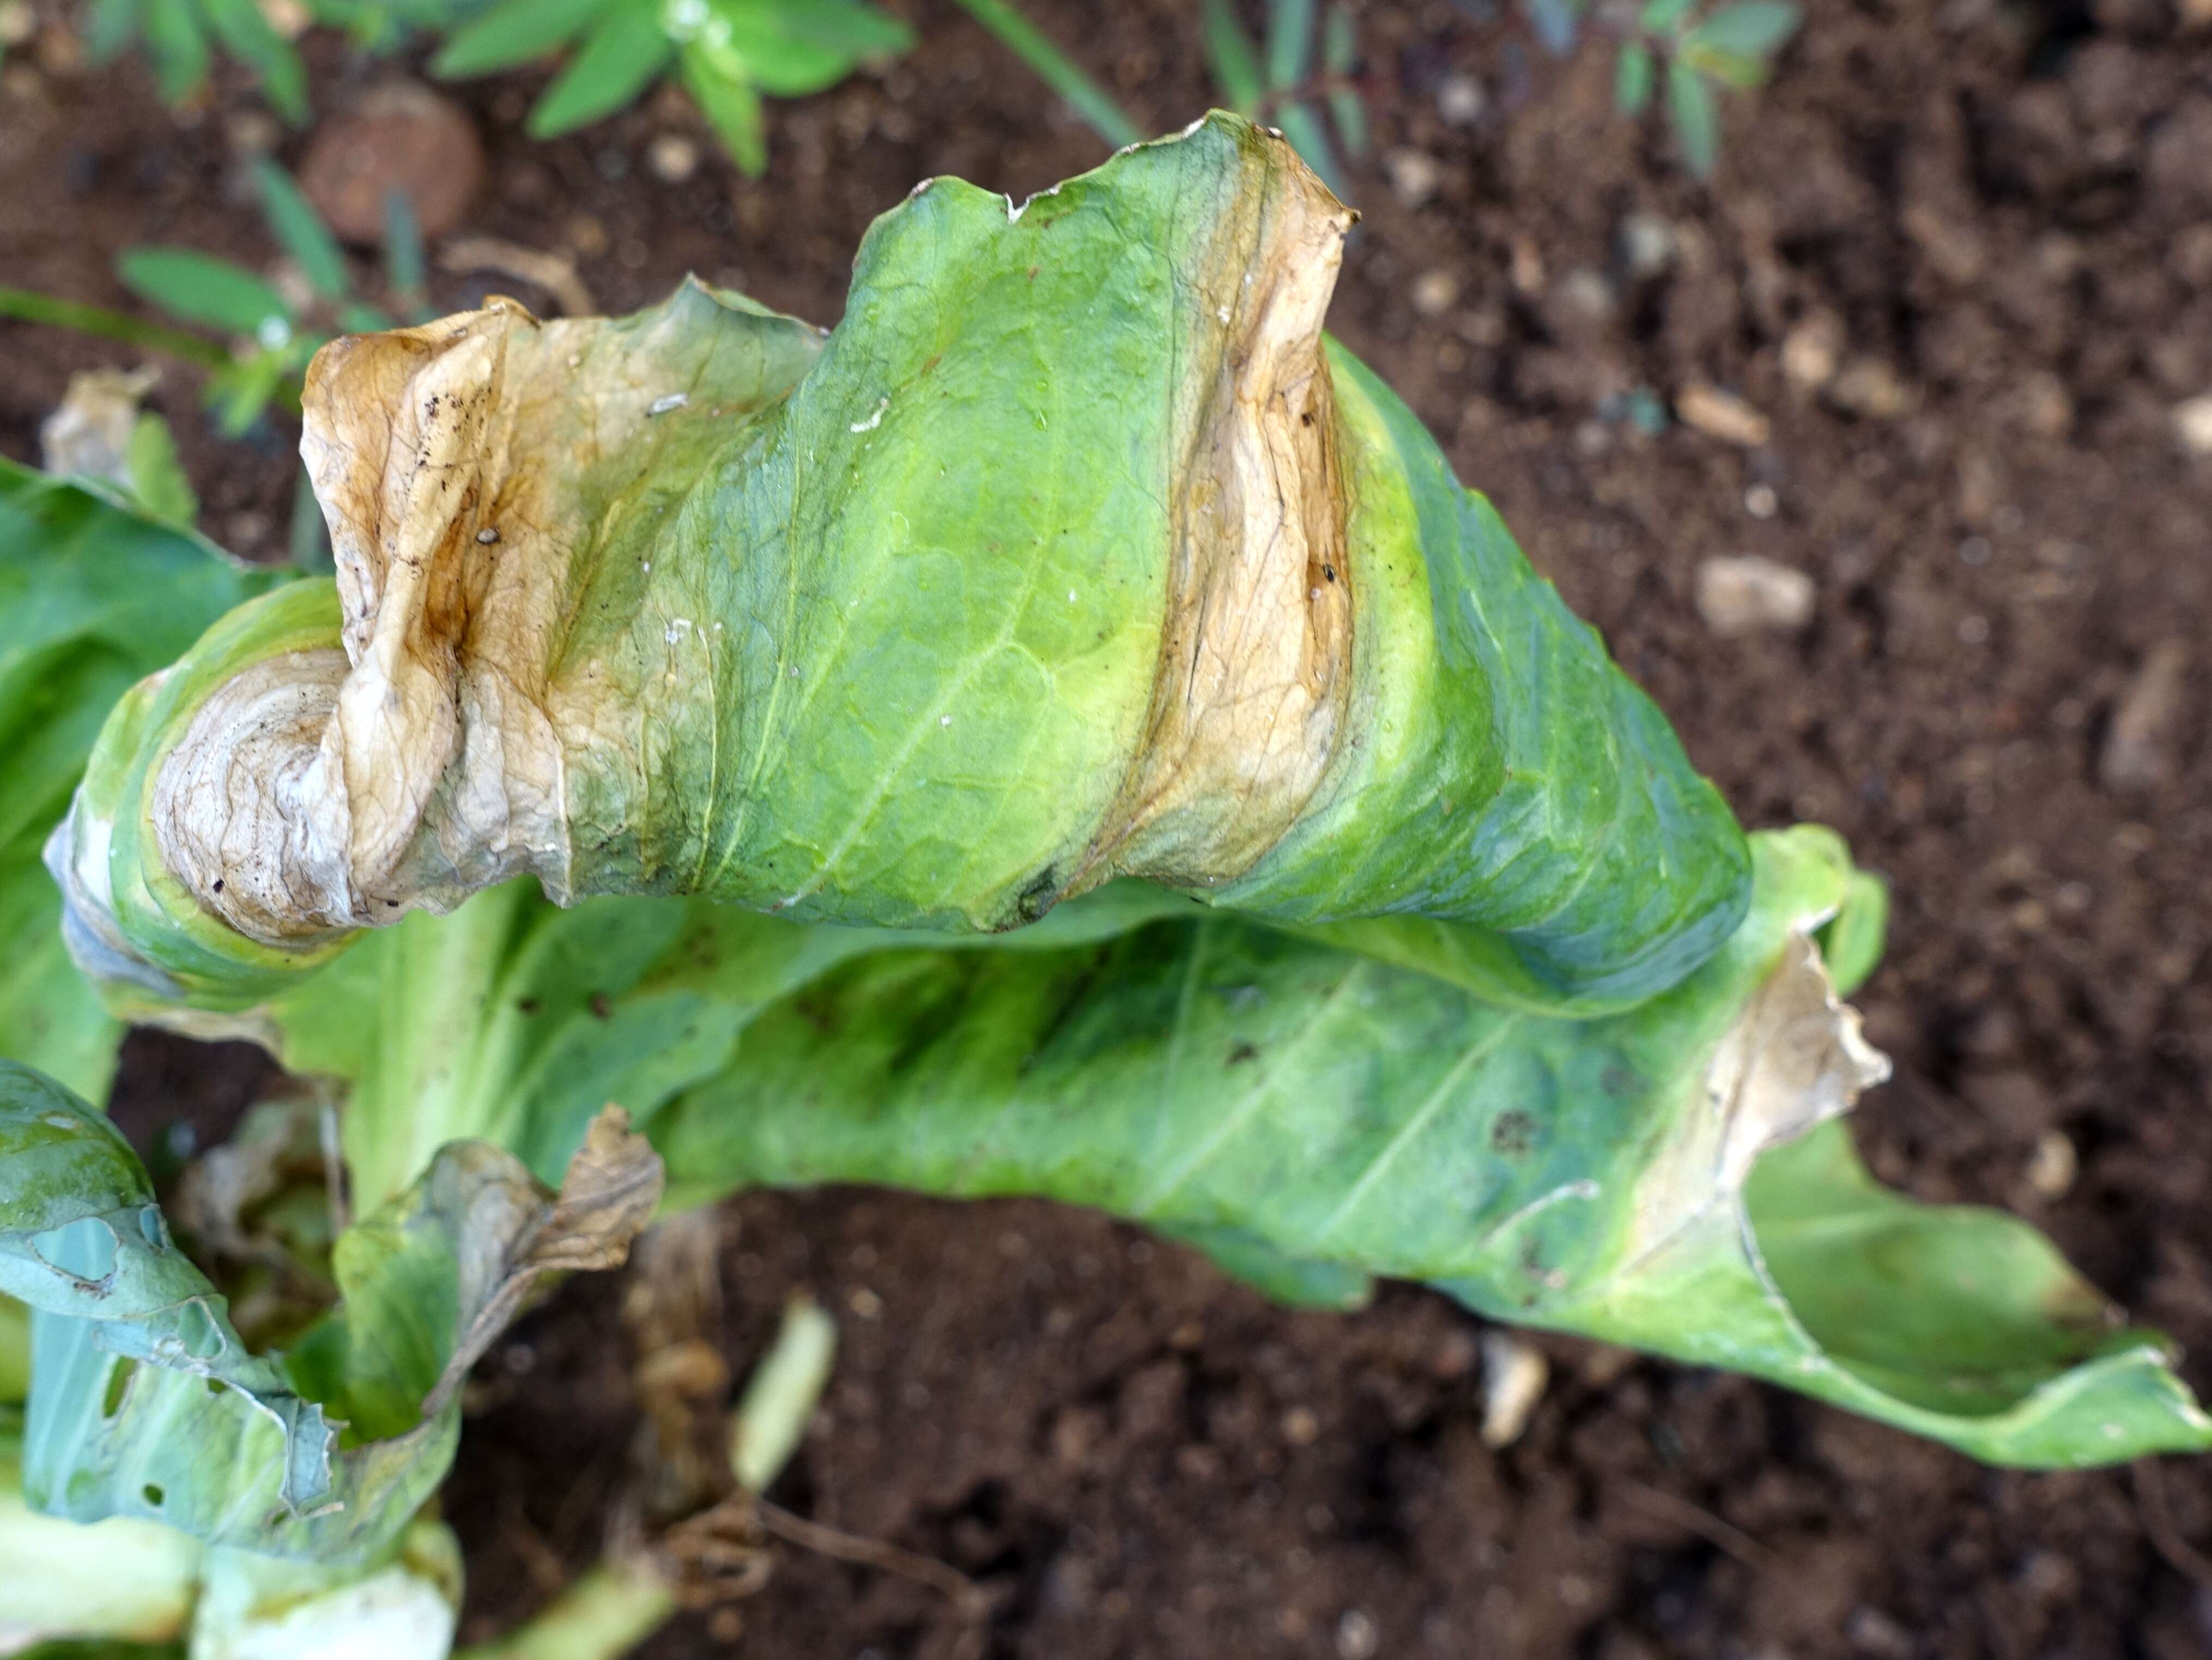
{"x": 873, "y": 421}
{"x": 674, "y": 400}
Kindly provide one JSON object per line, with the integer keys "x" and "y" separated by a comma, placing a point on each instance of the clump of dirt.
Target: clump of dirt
{"x": 1935, "y": 321}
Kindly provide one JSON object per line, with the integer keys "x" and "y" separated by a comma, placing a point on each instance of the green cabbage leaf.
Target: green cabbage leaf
{"x": 93, "y": 596}
{"x": 1674, "y": 1177}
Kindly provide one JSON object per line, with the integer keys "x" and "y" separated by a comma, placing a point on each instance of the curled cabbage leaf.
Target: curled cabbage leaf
{"x": 1075, "y": 552}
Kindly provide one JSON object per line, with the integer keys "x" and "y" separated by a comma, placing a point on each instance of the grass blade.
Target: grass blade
{"x": 240, "y": 27}
{"x": 1303, "y": 127}
{"x": 1697, "y": 121}
{"x": 308, "y": 536}
{"x": 1234, "y": 58}
{"x": 1056, "y": 69}
{"x": 300, "y": 229}
{"x": 1290, "y": 42}
{"x": 513, "y": 34}
{"x": 732, "y": 108}
{"x": 1754, "y": 28}
{"x": 1339, "y": 49}
{"x": 26, "y": 306}
{"x": 201, "y": 288}
{"x": 405, "y": 270}
{"x": 178, "y": 48}
{"x": 625, "y": 51}
{"x": 1348, "y": 110}
{"x": 1631, "y": 78}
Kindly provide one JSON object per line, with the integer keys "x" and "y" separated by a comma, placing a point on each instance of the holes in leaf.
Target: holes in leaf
{"x": 197, "y": 1332}
{"x": 119, "y": 1385}
{"x": 84, "y": 1249}
{"x": 153, "y": 1495}
{"x": 150, "y": 1224}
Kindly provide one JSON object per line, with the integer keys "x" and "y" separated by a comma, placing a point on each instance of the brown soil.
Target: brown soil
{"x": 2006, "y": 206}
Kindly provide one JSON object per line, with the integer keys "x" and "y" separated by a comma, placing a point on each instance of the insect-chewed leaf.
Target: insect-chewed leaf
{"x": 144, "y": 1402}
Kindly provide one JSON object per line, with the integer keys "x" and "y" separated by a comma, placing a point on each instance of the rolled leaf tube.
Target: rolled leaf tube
{"x": 1075, "y": 551}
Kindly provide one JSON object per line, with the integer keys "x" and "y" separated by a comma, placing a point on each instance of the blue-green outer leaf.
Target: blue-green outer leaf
{"x": 144, "y": 1401}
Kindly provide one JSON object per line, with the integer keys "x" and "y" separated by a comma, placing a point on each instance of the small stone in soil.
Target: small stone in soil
{"x": 1870, "y": 388}
{"x": 2052, "y": 1166}
{"x": 2138, "y": 750}
{"x": 1812, "y": 349}
{"x": 1414, "y": 175}
{"x": 1752, "y": 595}
{"x": 1722, "y": 414}
{"x": 2192, "y": 424}
{"x": 1435, "y": 293}
{"x": 1647, "y": 244}
{"x": 1514, "y": 1374}
{"x": 672, "y": 157}
{"x": 1460, "y": 100}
